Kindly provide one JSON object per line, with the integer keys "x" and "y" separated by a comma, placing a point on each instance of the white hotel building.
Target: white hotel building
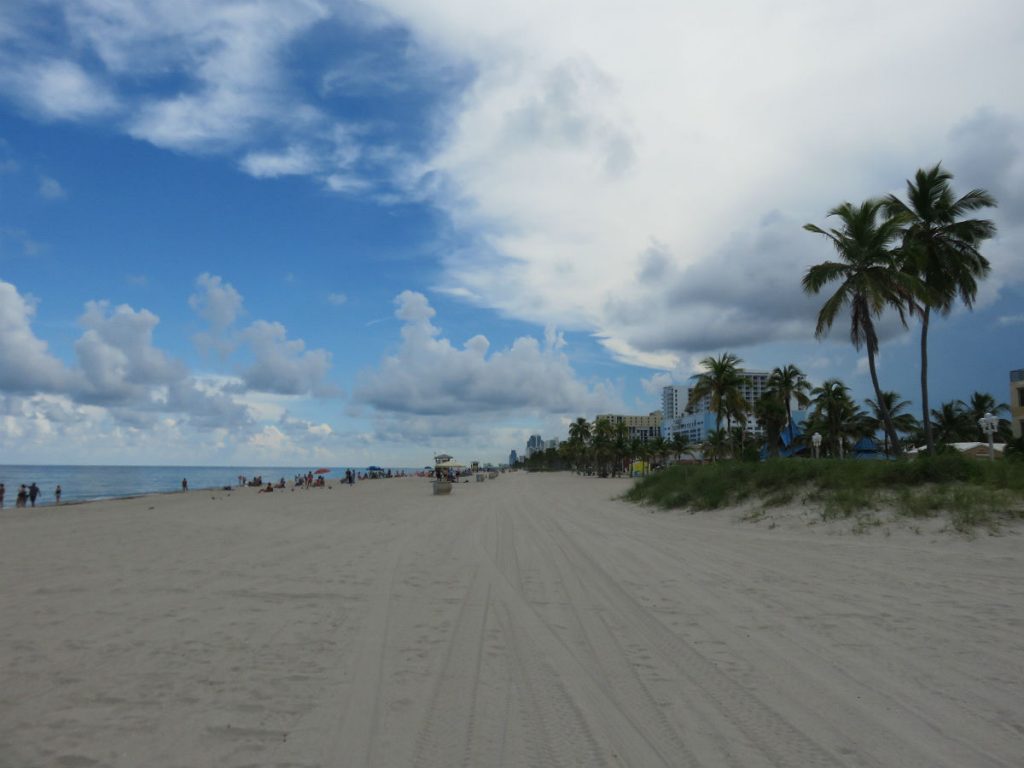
{"x": 695, "y": 426}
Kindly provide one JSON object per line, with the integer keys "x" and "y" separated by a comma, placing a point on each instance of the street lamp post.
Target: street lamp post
{"x": 988, "y": 424}
{"x": 816, "y": 440}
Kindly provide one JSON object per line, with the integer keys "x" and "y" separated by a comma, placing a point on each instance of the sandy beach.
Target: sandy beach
{"x": 531, "y": 620}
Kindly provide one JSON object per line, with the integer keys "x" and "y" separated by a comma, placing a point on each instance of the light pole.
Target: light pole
{"x": 816, "y": 440}
{"x": 988, "y": 424}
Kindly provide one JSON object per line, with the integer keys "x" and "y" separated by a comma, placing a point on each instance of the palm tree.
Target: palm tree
{"x": 870, "y": 281}
{"x": 638, "y": 451}
{"x": 835, "y": 414}
{"x": 951, "y": 423}
{"x": 680, "y": 445}
{"x": 715, "y": 445}
{"x": 579, "y": 437}
{"x": 903, "y": 422}
{"x": 941, "y": 248}
{"x": 982, "y": 403}
{"x": 720, "y": 382}
{"x": 659, "y": 448}
{"x": 772, "y": 415}
{"x": 602, "y": 444}
{"x": 790, "y": 383}
{"x": 620, "y": 445}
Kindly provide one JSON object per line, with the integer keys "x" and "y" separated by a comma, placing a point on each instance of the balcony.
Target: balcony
{"x": 1017, "y": 375}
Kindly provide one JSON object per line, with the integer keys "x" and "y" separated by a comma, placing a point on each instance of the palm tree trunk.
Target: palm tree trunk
{"x": 890, "y": 430}
{"x": 929, "y": 442}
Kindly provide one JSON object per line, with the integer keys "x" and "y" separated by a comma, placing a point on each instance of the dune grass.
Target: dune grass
{"x": 972, "y": 492}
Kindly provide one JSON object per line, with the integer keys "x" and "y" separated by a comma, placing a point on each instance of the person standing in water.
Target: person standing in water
{"x": 184, "y": 483}
{"x": 56, "y": 494}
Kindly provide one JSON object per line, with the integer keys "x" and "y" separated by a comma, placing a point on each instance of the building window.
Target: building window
{"x": 1020, "y": 397}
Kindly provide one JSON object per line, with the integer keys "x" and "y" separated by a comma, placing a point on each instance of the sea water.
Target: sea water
{"x": 87, "y": 483}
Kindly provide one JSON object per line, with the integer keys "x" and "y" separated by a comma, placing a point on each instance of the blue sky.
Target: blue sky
{"x": 350, "y": 233}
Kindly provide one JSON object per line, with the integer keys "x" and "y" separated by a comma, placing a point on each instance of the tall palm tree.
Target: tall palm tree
{"x": 720, "y": 382}
{"x": 790, "y": 383}
{"x": 903, "y": 422}
{"x": 941, "y": 248}
{"x": 869, "y": 281}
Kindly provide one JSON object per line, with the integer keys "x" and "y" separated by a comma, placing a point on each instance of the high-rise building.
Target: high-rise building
{"x": 696, "y": 425}
{"x": 673, "y": 401}
{"x": 534, "y": 445}
{"x": 513, "y": 458}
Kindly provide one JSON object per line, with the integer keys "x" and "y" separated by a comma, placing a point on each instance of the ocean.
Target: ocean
{"x": 87, "y": 483}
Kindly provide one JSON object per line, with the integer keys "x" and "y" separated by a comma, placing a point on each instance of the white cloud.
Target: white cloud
{"x": 117, "y": 357}
{"x": 284, "y": 366}
{"x": 57, "y": 89}
{"x": 1010, "y": 320}
{"x": 337, "y": 299}
{"x": 28, "y": 366}
{"x": 216, "y": 302}
{"x": 294, "y": 161}
{"x": 430, "y": 377}
{"x": 684, "y": 126}
{"x": 51, "y": 189}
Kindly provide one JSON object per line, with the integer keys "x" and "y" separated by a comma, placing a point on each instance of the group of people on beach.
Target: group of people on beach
{"x": 27, "y": 494}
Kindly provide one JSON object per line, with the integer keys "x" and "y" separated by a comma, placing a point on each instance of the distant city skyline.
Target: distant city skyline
{"x": 294, "y": 233}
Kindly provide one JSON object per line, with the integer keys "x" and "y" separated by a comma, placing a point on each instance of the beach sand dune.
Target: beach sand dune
{"x": 531, "y": 620}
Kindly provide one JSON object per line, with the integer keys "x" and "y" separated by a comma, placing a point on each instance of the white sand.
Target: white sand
{"x": 525, "y": 621}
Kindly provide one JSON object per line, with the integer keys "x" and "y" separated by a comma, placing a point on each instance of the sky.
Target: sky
{"x": 346, "y": 233}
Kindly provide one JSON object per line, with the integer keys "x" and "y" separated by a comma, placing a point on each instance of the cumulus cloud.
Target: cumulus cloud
{"x": 117, "y": 358}
{"x": 217, "y": 302}
{"x": 121, "y": 380}
{"x": 284, "y": 366}
{"x": 430, "y": 376}
{"x": 28, "y": 366}
{"x": 280, "y": 365}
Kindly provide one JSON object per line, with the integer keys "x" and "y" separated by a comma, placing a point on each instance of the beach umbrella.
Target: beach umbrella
{"x": 322, "y": 471}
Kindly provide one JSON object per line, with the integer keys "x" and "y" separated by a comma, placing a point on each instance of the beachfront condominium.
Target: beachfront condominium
{"x": 673, "y": 401}
{"x": 641, "y": 428}
{"x": 1017, "y": 401}
{"x": 695, "y": 421}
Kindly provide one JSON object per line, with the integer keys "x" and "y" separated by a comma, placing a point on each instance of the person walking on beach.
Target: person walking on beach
{"x": 2, "y": 492}
{"x": 33, "y": 493}
{"x": 56, "y": 493}
{"x": 184, "y": 483}
{"x": 22, "y": 499}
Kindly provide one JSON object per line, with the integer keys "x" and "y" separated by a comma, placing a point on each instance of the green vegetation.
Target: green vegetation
{"x": 971, "y": 491}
